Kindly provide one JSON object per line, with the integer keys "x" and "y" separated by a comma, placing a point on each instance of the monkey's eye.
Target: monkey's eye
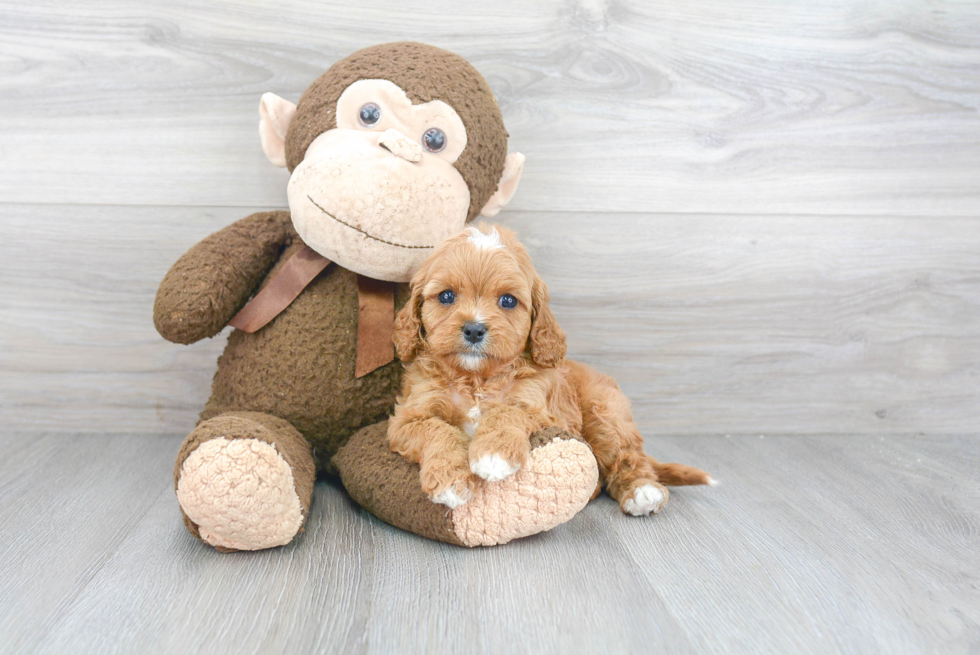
{"x": 507, "y": 301}
{"x": 369, "y": 114}
{"x": 447, "y": 297}
{"x": 434, "y": 139}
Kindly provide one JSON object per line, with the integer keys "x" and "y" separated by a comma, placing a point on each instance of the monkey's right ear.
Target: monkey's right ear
{"x": 275, "y": 114}
{"x": 513, "y": 166}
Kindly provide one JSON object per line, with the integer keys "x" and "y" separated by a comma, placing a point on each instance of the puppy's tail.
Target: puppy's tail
{"x": 677, "y": 475}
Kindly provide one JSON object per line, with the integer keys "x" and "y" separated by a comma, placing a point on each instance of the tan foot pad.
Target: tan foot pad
{"x": 554, "y": 485}
{"x": 240, "y": 493}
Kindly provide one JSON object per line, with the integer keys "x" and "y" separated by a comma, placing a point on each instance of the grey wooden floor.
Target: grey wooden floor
{"x": 762, "y": 218}
{"x": 810, "y": 545}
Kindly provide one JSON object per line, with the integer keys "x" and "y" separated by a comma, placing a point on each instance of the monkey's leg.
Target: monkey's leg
{"x": 244, "y": 481}
{"x": 556, "y": 482}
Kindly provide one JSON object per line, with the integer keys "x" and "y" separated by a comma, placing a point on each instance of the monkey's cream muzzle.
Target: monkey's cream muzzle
{"x": 374, "y": 202}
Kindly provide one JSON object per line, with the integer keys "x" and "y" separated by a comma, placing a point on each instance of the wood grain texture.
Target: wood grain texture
{"x": 835, "y": 108}
{"x": 66, "y": 505}
{"x": 723, "y": 324}
{"x": 760, "y": 218}
{"x": 847, "y": 543}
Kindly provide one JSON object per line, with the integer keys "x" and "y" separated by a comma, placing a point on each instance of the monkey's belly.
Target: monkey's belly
{"x": 300, "y": 367}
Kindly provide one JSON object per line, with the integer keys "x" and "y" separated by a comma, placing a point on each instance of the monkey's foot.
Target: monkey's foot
{"x": 554, "y": 485}
{"x": 556, "y": 482}
{"x": 238, "y": 492}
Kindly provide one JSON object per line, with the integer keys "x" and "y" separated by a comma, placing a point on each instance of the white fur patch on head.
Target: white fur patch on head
{"x": 646, "y": 499}
{"x": 485, "y": 241}
{"x": 493, "y": 468}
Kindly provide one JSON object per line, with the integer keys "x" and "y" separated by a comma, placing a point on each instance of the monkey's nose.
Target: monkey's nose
{"x": 400, "y": 145}
{"x": 474, "y": 332}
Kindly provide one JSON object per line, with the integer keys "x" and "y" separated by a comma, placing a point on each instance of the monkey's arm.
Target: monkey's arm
{"x": 207, "y": 286}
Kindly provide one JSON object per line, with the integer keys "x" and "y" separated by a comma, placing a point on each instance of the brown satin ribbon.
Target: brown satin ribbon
{"x": 375, "y": 324}
{"x": 375, "y": 301}
{"x": 288, "y": 283}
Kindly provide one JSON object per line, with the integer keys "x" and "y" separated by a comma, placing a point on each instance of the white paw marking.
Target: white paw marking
{"x": 450, "y": 498}
{"x": 711, "y": 481}
{"x": 493, "y": 468}
{"x": 646, "y": 499}
{"x": 485, "y": 241}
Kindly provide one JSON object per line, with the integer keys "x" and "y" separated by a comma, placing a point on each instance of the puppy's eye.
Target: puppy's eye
{"x": 507, "y": 301}
{"x": 434, "y": 139}
{"x": 369, "y": 114}
{"x": 447, "y": 297}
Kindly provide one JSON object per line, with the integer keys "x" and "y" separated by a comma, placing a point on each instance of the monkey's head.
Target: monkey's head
{"x": 392, "y": 150}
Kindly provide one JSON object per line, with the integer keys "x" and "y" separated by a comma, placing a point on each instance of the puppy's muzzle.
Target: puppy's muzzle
{"x": 474, "y": 332}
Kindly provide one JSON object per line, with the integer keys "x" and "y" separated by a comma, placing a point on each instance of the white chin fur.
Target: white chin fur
{"x": 470, "y": 362}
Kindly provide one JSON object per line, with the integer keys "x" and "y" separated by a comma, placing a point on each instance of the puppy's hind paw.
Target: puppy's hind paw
{"x": 646, "y": 499}
{"x": 493, "y": 468}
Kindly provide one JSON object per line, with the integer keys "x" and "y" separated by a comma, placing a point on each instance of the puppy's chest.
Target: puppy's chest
{"x": 470, "y": 405}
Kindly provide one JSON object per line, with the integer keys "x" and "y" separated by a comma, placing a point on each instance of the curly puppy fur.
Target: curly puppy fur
{"x": 486, "y": 368}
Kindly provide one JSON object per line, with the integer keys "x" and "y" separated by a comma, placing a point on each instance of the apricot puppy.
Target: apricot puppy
{"x": 487, "y": 368}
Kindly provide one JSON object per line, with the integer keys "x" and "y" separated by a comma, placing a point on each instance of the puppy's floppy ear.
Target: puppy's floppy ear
{"x": 408, "y": 322}
{"x": 547, "y": 339}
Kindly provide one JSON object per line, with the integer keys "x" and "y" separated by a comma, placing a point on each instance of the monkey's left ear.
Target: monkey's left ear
{"x": 275, "y": 114}
{"x": 513, "y": 167}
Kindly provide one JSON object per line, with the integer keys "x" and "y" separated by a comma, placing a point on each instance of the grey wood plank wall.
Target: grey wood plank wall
{"x": 759, "y": 218}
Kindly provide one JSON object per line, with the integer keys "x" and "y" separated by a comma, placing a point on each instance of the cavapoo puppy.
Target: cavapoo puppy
{"x": 487, "y": 368}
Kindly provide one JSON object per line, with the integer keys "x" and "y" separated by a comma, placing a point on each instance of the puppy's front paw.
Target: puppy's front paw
{"x": 646, "y": 499}
{"x": 495, "y": 456}
{"x": 451, "y": 487}
{"x": 493, "y": 468}
{"x": 452, "y": 497}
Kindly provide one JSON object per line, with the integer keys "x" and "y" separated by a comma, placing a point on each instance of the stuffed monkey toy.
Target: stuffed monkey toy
{"x": 390, "y": 151}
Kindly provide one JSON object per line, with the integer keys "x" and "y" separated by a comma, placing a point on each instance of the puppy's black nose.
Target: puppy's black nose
{"x": 474, "y": 332}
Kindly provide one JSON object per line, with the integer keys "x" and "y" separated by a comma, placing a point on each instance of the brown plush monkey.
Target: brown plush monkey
{"x": 391, "y": 150}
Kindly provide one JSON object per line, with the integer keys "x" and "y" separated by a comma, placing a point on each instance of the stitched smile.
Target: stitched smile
{"x": 369, "y": 236}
